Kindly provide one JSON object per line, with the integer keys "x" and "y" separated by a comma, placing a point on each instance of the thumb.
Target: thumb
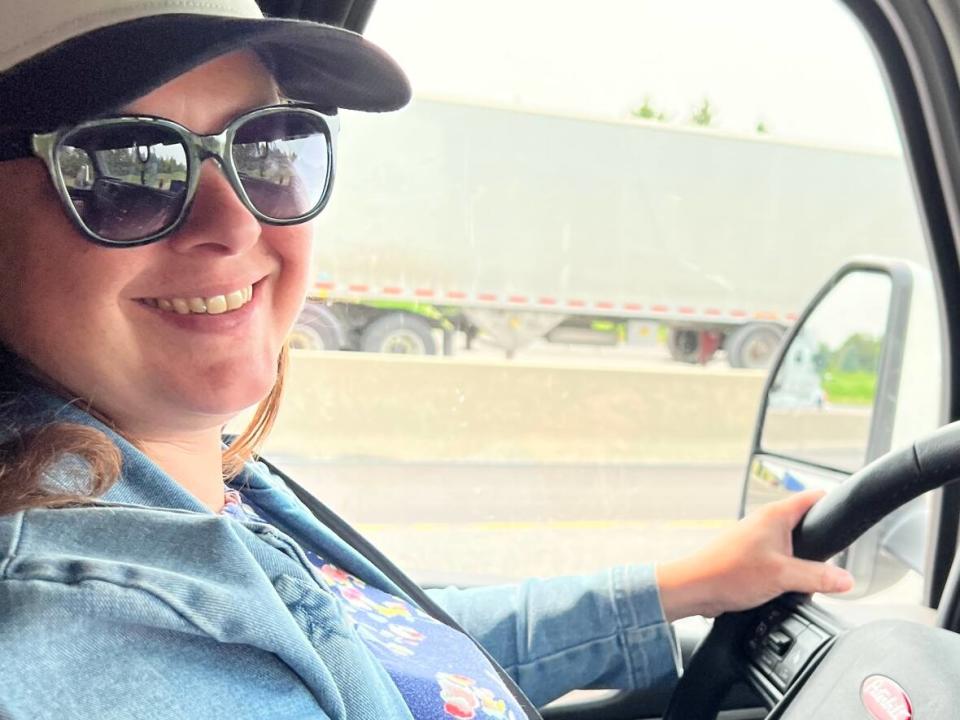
{"x": 797, "y": 506}
{"x": 809, "y": 576}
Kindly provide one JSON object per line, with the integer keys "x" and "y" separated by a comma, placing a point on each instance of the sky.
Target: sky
{"x": 802, "y": 67}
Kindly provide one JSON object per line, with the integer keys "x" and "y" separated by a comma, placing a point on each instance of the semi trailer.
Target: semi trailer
{"x": 515, "y": 226}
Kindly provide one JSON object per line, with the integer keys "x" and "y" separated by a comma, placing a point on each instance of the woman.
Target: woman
{"x": 146, "y": 296}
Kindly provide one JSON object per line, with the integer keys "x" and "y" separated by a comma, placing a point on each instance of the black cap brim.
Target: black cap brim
{"x": 103, "y": 70}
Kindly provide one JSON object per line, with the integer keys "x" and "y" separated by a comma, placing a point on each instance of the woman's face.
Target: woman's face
{"x": 83, "y": 313}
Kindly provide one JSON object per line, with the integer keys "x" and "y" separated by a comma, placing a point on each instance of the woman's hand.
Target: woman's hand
{"x": 748, "y": 565}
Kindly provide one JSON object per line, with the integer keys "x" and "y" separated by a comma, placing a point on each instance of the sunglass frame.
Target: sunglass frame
{"x": 198, "y": 148}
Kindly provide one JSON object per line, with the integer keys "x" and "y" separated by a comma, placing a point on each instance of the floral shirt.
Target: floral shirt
{"x": 439, "y": 672}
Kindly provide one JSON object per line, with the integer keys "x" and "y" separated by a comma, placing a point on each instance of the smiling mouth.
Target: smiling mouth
{"x": 213, "y": 305}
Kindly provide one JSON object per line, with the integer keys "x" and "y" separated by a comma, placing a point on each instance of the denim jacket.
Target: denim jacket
{"x": 145, "y": 604}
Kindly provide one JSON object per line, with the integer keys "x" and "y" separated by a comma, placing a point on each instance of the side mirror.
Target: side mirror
{"x": 857, "y": 376}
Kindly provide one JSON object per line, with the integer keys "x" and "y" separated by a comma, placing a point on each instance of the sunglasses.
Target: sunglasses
{"x": 130, "y": 180}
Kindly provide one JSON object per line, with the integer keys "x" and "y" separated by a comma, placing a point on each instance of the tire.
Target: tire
{"x": 317, "y": 328}
{"x": 399, "y": 333}
{"x": 684, "y": 344}
{"x": 753, "y": 346}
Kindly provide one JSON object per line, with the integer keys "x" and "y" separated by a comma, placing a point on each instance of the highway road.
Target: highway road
{"x": 480, "y": 468}
{"x": 483, "y": 521}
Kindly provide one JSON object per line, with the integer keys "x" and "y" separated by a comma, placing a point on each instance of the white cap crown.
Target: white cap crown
{"x": 29, "y": 27}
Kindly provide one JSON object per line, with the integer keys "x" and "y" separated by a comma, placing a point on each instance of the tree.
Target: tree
{"x": 762, "y": 128}
{"x": 858, "y": 353}
{"x": 703, "y": 115}
{"x": 647, "y": 112}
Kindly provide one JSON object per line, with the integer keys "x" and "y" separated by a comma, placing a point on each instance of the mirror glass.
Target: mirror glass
{"x": 821, "y": 402}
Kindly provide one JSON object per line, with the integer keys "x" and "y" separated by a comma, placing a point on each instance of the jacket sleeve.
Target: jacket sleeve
{"x": 605, "y": 630}
{"x": 64, "y": 653}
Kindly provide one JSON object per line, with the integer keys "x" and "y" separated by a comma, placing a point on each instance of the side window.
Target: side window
{"x": 547, "y": 293}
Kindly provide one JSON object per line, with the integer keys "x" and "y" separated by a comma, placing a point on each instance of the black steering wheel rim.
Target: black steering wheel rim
{"x": 831, "y": 525}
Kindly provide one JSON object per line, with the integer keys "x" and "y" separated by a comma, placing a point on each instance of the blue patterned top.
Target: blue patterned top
{"x": 439, "y": 672}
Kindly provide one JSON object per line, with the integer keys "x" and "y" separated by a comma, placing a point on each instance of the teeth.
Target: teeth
{"x": 235, "y": 299}
{"x": 215, "y": 305}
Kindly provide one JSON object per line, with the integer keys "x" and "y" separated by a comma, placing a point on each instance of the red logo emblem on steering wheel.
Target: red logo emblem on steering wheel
{"x": 885, "y": 700}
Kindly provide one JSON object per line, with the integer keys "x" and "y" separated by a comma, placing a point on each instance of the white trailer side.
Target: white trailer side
{"x": 553, "y": 220}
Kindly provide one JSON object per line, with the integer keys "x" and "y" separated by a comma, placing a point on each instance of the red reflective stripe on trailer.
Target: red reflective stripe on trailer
{"x": 423, "y": 292}
{"x": 792, "y": 317}
{"x": 765, "y": 315}
{"x": 547, "y": 301}
{"x": 686, "y": 311}
{"x": 358, "y": 288}
{"x": 659, "y": 308}
{"x": 576, "y": 303}
{"x": 738, "y": 313}
{"x": 632, "y": 306}
{"x": 713, "y": 311}
{"x": 456, "y": 294}
{"x": 605, "y": 305}
{"x": 326, "y": 285}
{"x": 392, "y": 291}
{"x": 487, "y": 297}
{"x": 517, "y": 299}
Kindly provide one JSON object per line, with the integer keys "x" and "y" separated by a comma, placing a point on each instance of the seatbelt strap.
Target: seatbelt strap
{"x": 359, "y": 543}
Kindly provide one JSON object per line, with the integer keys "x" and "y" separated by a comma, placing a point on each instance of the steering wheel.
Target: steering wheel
{"x": 839, "y": 675}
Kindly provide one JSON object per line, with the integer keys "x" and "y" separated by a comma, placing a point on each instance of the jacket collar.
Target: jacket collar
{"x": 141, "y": 481}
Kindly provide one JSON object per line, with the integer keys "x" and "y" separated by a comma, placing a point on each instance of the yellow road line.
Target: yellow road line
{"x": 509, "y": 526}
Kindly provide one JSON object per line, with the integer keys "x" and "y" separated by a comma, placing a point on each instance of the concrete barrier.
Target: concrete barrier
{"x": 401, "y": 408}
{"x": 367, "y": 406}
{"x": 833, "y": 436}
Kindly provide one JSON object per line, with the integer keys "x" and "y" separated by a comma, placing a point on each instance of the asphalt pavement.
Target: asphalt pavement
{"x": 454, "y": 522}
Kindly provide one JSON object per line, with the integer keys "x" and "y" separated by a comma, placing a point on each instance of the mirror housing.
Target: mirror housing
{"x": 908, "y": 402}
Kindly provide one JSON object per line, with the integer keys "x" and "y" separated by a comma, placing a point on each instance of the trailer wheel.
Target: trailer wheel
{"x": 753, "y": 346}
{"x": 317, "y": 328}
{"x": 400, "y": 333}
{"x": 684, "y": 345}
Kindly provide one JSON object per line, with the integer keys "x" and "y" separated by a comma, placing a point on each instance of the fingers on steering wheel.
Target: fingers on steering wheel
{"x": 808, "y": 576}
{"x": 798, "y": 505}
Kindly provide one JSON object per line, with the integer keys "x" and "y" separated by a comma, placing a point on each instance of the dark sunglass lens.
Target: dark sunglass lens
{"x": 127, "y": 181}
{"x": 283, "y": 160}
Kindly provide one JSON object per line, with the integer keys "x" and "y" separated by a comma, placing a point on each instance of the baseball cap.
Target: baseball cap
{"x": 62, "y": 61}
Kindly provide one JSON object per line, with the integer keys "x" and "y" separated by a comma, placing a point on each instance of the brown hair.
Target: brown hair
{"x": 25, "y": 457}
{"x": 248, "y": 443}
